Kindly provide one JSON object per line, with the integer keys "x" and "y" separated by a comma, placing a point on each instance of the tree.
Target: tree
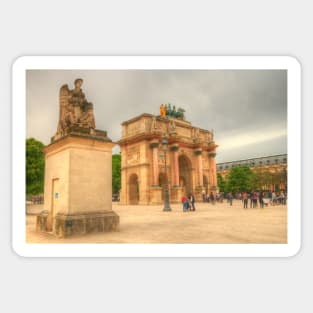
{"x": 221, "y": 183}
{"x": 116, "y": 173}
{"x": 240, "y": 178}
{"x": 255, "y": 181}
{"x": 35, "y": 166}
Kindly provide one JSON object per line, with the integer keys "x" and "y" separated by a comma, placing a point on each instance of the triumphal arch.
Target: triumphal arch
{"x": 186, "y": 164}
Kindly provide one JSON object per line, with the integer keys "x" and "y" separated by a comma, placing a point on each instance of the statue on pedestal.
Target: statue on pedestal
{"x": 78, "y": 153}
{"x": 162, "y": 110}
{"x": 167, "y": 111}
{"x": 75, "y": 110}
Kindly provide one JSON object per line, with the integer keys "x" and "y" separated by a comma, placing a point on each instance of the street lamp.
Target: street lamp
{"x": 167, "y": 207}
{"x": 285, "y": 178}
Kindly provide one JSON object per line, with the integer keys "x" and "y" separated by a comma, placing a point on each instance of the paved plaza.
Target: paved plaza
{"x": 220, "y": 223}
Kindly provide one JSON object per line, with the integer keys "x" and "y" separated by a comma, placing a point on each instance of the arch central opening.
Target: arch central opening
{"x": 133, "y": 192}
{"x": 185, "y": 180}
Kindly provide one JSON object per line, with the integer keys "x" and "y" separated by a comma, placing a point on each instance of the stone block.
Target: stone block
{"x": 176, "y": 194}
{"x": 42, "y": 221}
{"x": 156, "y": 195}
{"x": 66, "y": 225}
{"x": 78, "y": 183}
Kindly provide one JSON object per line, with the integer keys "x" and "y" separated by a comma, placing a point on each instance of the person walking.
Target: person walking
{"x": 245, "y": 200}
{"x": 203, "y": 196}
{"x": 184, "y": 201}
{"x": 251, "y": 198}
{"x": 261, "y": 200}
{"x": 283, "y": 198}
{"x": 192, "y": 201}
{"x": 255, "y": 200}
{"x": 273, "y": 198}
{"x": 212, "y": 198}
{"x": 230, "y": 198}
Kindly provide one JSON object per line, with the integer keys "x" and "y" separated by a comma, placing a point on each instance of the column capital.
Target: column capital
{"x": 174, "y": 147}
{"x": 198, "y": 151}
{"x": 154, "y": 144}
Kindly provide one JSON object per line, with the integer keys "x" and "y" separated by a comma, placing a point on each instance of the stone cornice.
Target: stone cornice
{"x": 137, "y": 118}
{"x": 157, "y": 134}
{"x": 77, "y": 142}
{"x": 134, "y": 165}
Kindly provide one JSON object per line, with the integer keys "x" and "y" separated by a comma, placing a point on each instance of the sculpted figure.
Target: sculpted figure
{"x": 180, "y": 114}
{"x": 87, "y": 118}
{"x": 153, "y": 124}
{"x": 175, "y": 113}
{"x": 166, "y": 109}
{"x": 74, "y": 109}
{"x": 169, "y": 111}
{"x": 172, "y": 126}
{"x": 162, "y": 110}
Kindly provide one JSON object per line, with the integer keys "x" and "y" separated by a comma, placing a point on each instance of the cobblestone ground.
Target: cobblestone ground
{"x": 220, "y": 223}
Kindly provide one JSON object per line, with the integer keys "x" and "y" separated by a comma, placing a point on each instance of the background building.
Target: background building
{"x": 272, "y": 168}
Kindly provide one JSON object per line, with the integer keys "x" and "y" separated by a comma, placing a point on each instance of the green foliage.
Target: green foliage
{"x": 116, "y": 173}
{"x": 35, "y": 166}
{"x": 265, "y": 178}
{"x": 254, "y": 181}
{"x": 241, "y": 178}
{"x": 221, "y": 183}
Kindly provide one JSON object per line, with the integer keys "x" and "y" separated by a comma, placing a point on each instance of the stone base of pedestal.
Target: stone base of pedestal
{"x": 66, "y": 225}
{"x": 198, "y": 193}
{"x": 42, "y": 222}
{"x": 213, "y": 189}
{"x": 176, "y": 194}
{"x": 156, "y": 195}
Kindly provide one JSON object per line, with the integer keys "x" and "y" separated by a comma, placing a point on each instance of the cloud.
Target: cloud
{"x": 244, "y": 107}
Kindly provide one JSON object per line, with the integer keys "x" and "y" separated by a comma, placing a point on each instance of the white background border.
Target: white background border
{"x": 157, "y": 250}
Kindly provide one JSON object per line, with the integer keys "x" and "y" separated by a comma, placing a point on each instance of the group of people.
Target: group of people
{"x": 211, "y": 198}
{"x": 278, "y": 198}
{"x": 188, "y": 203}
{"x": 252, "y": 199}
{"x": 262, "y": 199}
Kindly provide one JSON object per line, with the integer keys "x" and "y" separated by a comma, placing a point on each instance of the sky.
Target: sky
{"x": 247, "y": 109}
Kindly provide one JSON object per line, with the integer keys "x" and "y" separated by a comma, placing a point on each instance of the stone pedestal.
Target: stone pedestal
{"x": 176, "y": 194}
{"x": 198, "y": 193}
{"x": 78, "y": 185}
{"x": 156, "y": 195}
{"x": 83, "y": 223}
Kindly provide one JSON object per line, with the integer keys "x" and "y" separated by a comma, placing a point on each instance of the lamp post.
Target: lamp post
{"x": 285, "y": 178}
{"x": 167, "y": 207}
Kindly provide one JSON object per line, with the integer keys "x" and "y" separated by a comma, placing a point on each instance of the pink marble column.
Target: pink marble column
{"x": 155, "y": 165}
{"x": 176, "y": 168}
{"x": 214, "y": 172}
{"x": 200, "y": 166}
{"x": 213, "y": 168}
